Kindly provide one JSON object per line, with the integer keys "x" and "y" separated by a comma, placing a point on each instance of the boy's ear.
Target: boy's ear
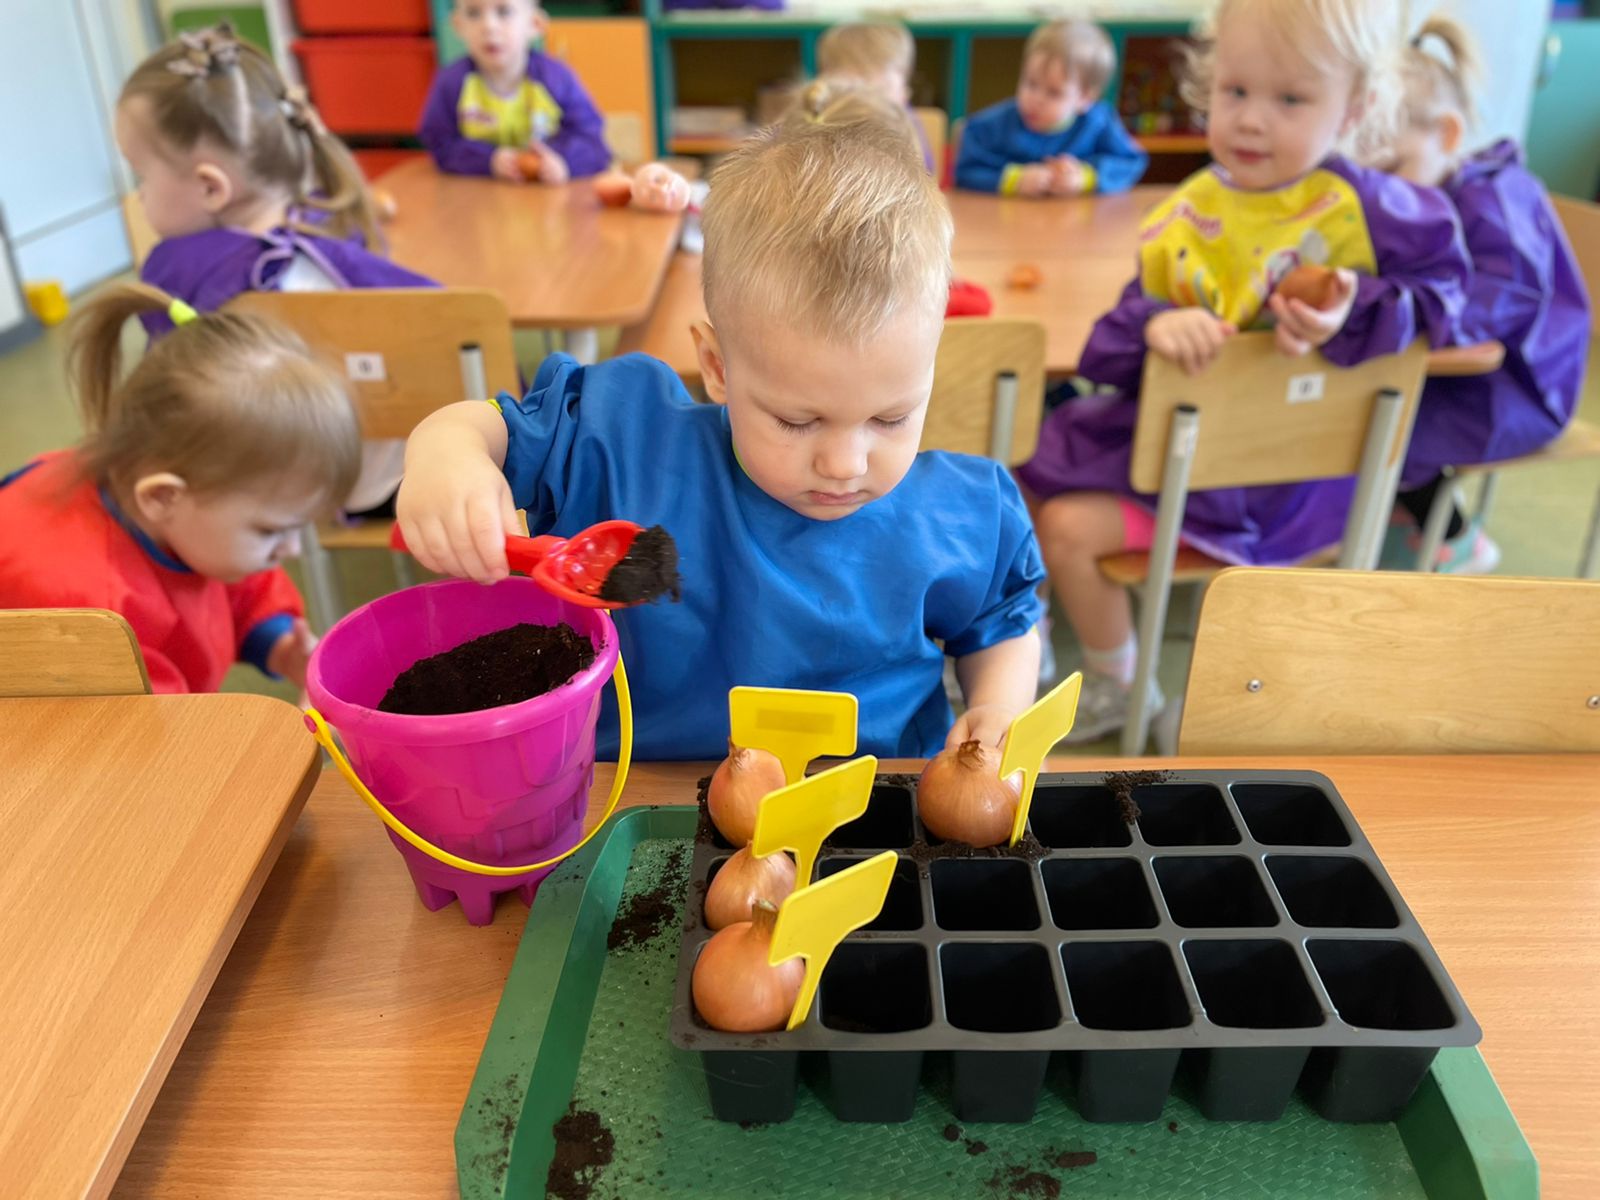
{"x": 1451, "y": 130}
{"x": 713, "y": 369}
{"x": 1360, "y": 102}
{"x": 541, "y": 23}
{"x": 216, "y": 189}
{"x": 155, "y": 496}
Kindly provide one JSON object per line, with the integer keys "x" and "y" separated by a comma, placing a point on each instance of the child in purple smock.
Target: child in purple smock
{"x": 1527, "y": 294}
{"x": 509, "y": 111}
{"x": 250, "y": 192}
{"x": 1284, "y": 82}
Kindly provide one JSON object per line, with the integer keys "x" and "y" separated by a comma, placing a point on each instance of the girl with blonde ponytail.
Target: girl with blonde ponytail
{"x": 1527, "y": 294}
{"x": 194, "y": 477}
{"x": 250, "y": 193}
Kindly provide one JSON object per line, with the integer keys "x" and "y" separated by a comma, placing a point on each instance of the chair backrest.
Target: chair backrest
{"x": 936, "y": 129}
{"x": 1581, "y": 220}
{"x": 1290, "y": 661}
{"x": 1269, "y": 418}
{"x": 402, "y": 349}
{"x": 988, "y": 389}
{"x": 141, "y": 237}
{"x": 69, "y": 652}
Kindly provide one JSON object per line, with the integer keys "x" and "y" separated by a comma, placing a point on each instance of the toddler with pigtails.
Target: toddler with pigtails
{"x": 188, "y": 491}
{"x": 1527, "y": 294}
{"x": 1287, "y": 86}
{"x": 249, "y": 193}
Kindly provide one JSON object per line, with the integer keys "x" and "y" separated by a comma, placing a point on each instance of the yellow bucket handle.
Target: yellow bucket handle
{"x": 619, "y": 679}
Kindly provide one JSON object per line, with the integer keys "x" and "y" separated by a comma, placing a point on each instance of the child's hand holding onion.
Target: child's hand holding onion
{"x": 961, "y": 797}
{"x": 735, "y": 988}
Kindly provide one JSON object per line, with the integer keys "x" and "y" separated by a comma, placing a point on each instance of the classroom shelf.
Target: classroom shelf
{"x": 1172, "y": 143}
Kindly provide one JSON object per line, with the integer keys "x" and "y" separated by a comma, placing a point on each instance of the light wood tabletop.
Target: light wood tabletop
{"x": 135, "y": 833}
{"x": 336, "y": 1050}
{"x": 557, "y": 256}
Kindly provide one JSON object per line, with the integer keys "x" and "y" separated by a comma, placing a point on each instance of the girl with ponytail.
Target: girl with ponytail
{"x": 249, "y": 192}
{"x": 188, "y": 490}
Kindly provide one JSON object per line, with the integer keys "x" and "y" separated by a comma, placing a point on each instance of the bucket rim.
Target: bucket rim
{"x": 486, "y": 723}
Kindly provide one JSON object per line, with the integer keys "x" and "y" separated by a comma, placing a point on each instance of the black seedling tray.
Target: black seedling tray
{"x": 1242, "y": 923}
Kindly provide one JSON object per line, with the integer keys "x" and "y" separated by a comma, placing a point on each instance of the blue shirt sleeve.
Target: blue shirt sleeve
{"x": 1011, "y": 605}
{"x": 541, "y": 433}
{"x": 982, "y": 158}
{"x": 263, "y": 636}
{"x": 1118, "y": 161}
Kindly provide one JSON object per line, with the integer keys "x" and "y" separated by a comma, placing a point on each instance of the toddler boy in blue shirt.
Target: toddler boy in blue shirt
{"x": 818, "y": 548}
{"x": 1057, "y": 137}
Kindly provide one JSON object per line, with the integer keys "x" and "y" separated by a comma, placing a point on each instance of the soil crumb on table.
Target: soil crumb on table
{"x": 645, "y": 914}
{"x": 646, "y": 572}
{"x": 504, "y": 667}
{"x": 1021, "y": 1182}
{"x": 584, "y": 1147}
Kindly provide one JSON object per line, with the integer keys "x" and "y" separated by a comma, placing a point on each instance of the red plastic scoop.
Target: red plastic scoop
{"x": 575, "y": 568}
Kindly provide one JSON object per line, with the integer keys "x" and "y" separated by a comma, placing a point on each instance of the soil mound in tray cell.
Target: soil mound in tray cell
{"x": 504, "y": 667}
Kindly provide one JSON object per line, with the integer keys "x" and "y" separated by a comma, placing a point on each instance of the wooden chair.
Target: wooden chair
{"x": 141, "y": 237}
{"x": 405, "y": 353}
{"x": 1580, "y": 440}
{"x": 1267, "y": 419}
{"x": 988, "y": 389}
{"x": 69, "y": 652}
{"x": 1355, "y": 662}
{"x": 936, "y": 129}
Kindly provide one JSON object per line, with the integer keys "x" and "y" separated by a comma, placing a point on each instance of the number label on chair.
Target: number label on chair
{"x": 365, "y": 368}
{"x": 1304, "y": 389}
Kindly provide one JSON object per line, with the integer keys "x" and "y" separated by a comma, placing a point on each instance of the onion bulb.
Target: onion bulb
{"x": 1314, "y": 285}
{"x": 742, "y": 881}
{"x": 735, "y": 988}
{"x": 961, "y": 797}
{"x": 741, "y": 782}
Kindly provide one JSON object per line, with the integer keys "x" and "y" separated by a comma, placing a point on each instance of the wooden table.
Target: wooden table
{"x": 557, "y": 256}
{"x": 135, "y": 833}
{"x": 337, "y": 1046}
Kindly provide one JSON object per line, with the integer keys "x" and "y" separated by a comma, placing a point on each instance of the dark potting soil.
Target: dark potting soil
{"x": 645, "y": 914}
{"x": 923, "y": 852}
{"x": 504, "y": 667}
{"x": 647, "y": 571}
{"x": 584, "y": 1147}
{"x": 1122, "y": 784}
{"x": 1019, "y": 1181}
{"x": 1072, "y": 1160}
{"x": 952, "y": 1133}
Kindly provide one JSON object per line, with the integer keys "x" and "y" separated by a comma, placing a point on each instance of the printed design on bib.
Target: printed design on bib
{"x": 528, "y": 115}
{"x": 1212, "y": 246}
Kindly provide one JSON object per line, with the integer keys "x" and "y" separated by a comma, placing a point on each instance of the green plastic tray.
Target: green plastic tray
{"x": 583, "y": 1026}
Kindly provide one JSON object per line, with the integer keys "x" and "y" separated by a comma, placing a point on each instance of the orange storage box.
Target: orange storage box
{"x": 368, "y": 84}
{"x": 362, "y": 16}
{"x": 377, "y": 161}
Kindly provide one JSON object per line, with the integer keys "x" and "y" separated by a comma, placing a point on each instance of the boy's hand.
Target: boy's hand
{"x": 1189, "y": 337}
{"x": 503, "y": 165}
{"x": 1067, "y": 176}
{"x": 1035, "y": 180}
{"x": 1302, "y": 328}
{"x": 292, "y": 652}
{"x": 987, "y": 724}
{"x": 455, "y": 509}
{"x": 552, "y": 167}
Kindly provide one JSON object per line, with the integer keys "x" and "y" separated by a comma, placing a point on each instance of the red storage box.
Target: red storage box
{"x": 377, "y": 162}
{"x": 368, "y": 84}
{"x": 362, "y": 16}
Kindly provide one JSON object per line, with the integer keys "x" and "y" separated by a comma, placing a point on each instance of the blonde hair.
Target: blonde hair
{"x": 209, "y": 87}
{"x": 1437, "y": 83}
{"x": 1083, "y": 49}
{"x": 865, "y": 47}
{"x": 225, "y": 401}
{"x": 827, "y": 220}
{"x": 1362, "y": 36}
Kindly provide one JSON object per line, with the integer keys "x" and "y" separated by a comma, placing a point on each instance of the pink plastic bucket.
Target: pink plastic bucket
{"x": 503, "y": 786}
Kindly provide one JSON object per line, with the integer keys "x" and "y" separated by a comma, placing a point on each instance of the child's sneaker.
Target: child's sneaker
{"x": 1472, "y": 552}
{"x": 1103, "y": 708}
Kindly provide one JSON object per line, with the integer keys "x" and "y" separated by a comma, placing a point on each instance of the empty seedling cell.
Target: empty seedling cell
{"x": 1184, "y": 814}
{"x": 1214, "y": 892}
{"x": 876, "y": 987}
{"x": 983, "y": 894}
{"x": 886, "y": 825}
{"x": 1252, "y": 984}
{"x": 1077, "y": 817}
{"x": 1380, "y": 984}
{"x": 998, "y": 987}
{"x": 1332, "y": 890}
{"x": 1124, "y": 985}
{"x": 1098, "y": 893}
{"x": 902, "y": 907}
{"x": 1289, "y": 814}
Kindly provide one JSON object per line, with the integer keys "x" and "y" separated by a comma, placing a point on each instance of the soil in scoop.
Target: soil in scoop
{"x": 648, "y": 570}
{"x": 504, "y": 667}
{"x": 584, "y": 1148}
